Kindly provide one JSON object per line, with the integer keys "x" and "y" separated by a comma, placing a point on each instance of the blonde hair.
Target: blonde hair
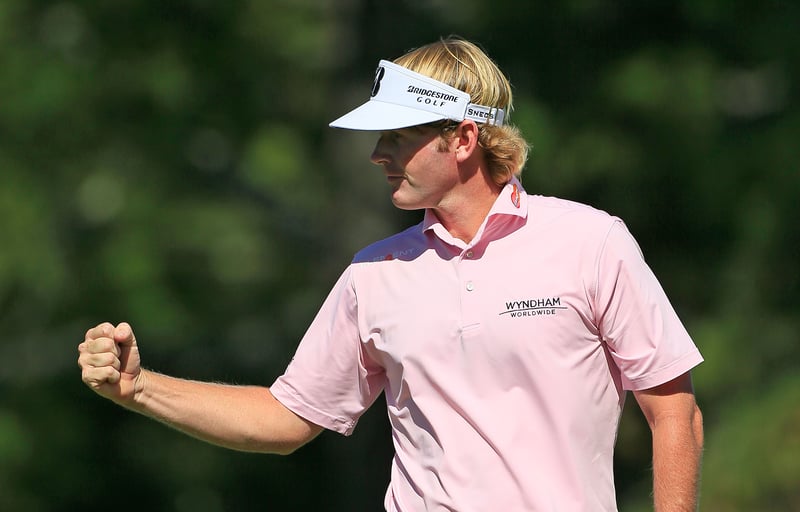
{"x": 463, "y": 65}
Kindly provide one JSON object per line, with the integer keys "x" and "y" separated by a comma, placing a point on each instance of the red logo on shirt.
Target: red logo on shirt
{"x": 515, "y": 196}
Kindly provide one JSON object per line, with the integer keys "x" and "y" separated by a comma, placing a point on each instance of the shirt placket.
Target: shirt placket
{"x": 469, "y": 292}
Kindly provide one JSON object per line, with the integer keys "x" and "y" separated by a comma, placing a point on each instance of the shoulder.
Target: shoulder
{"x": 557, "y": 205}
{"x": 406, "y": 244}
{"x": 570, "y": 216}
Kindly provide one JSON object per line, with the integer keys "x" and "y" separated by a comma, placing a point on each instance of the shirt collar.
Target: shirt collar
{"x": 512, "y": 201}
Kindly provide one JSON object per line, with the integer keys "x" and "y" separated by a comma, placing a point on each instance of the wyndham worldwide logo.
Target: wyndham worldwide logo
{"x": 533, "y": 307}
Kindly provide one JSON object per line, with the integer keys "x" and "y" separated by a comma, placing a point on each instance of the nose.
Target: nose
{"x": 379, "y": 155}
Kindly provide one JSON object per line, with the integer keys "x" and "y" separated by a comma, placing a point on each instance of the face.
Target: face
{"x": 420, "y": 171}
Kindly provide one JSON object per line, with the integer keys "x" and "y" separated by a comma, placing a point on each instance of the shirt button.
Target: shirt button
{"x": 470, "y": 286}
{"x": 469, "y": 254}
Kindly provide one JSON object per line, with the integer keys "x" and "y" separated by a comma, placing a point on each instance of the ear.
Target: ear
{"x": 465, "y": 140}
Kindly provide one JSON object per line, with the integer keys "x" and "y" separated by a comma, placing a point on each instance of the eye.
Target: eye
{"x": 391, "y": 136}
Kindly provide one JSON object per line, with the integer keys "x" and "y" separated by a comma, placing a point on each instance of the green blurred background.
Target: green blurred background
{"x": 169, "y": 164}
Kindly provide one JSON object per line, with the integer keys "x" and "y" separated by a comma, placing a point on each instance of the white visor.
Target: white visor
{"x": 401, "y": 98}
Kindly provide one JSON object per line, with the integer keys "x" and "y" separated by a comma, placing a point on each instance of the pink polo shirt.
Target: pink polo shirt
{"x": 504, "y": 361}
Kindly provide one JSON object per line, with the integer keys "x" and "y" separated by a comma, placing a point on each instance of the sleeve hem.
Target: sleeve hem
{"x": 292, "y": 401}
{"x": 662, "y": 375}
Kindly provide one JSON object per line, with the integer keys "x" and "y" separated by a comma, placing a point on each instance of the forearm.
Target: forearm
{"x": 246, "y": 418}
{"x": 677, "y": 458}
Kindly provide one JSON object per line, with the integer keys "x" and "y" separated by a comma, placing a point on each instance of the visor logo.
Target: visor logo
{"x": 377, "y": 85}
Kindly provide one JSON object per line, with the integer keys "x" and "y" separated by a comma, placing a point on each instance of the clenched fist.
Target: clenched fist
{"x": 109, "y": 361}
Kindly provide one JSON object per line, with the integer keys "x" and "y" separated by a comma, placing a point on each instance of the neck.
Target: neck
{"x": 463, "y": 211}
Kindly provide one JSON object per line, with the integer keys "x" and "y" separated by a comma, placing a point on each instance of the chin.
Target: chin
{"x": 400, "y": 204}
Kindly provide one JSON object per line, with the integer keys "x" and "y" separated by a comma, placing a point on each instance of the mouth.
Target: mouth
{"x": 394, "y": 179}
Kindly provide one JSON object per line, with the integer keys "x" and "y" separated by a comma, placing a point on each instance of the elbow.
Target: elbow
{"x": 267, "y": 447}
{"x": 287, "y": 447}
{"x": 697, "y": 427}
{"x": 287, "y": 443}
{"x": 275, "y": 429}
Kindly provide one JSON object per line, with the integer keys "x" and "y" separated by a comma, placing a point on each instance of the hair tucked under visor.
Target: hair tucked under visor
{"x": 463, "y": 65}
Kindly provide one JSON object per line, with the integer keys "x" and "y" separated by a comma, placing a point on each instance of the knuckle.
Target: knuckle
{"x": 95, "y": 377}
{"x": 112, "y": 375}
{"x": 84, "y": 359}
{"x": 99, "y": 360}
{"x": 100, "y": 345}
{"x": 98, "y": 331}
{"x": 88, "y": 377}
{"x": 107, "y": 359}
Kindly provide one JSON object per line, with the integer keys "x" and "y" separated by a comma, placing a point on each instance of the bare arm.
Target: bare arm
{"x": 677, "y": 428}
{"x": 244, "y": 418}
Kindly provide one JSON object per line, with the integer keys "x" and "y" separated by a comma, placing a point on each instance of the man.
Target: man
{"x": 505, "y": 329}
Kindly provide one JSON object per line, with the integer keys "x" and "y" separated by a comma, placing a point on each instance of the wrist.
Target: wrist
{"x": 140, "y": 387}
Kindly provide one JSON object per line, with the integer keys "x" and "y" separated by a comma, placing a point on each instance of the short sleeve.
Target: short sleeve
{"x": 641, "y": 329}
{"x": 331, "y": 381}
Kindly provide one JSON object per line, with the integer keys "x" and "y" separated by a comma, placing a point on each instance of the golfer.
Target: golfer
{"x": 504, "y": 330}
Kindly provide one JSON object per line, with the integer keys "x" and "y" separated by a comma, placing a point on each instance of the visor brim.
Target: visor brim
{"x": 378, "y": 115}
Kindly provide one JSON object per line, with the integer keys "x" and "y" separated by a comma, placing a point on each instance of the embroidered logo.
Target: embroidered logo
{"x": 533, "y": 307}
{"x": 515, "y": 196}
{"x": 376, "y": 86}
{"x": 404, "y": 254}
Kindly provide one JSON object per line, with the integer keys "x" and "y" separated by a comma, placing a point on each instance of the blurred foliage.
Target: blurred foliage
{"x": 169, "y": 164}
